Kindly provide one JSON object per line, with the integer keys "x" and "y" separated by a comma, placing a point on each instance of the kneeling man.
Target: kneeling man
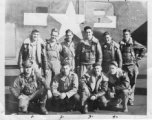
{"x": 65, "y": 87}
{"x": 29, "y": 86}
{"x": 93, "y": 86}
{"x": 119, "y": 86}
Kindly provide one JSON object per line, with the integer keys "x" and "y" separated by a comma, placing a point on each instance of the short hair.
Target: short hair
{"x": 68, "y": 31}
{"x": 54, "y": 30}
{"x": 97, "y": 64}
{"x": 126, "y": 30}
{"x": 87, "y": 27}
{"x": 65, "y": 63}
{"x": 106, "y": 33}
{"x": 33, "y": 31}
{"x": 113, "y": 63}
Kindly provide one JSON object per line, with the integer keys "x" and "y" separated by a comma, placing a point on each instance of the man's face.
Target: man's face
{"x": 54, "y": 36}
{"x": 108, "y": 38}
{"x": 112, "y": 69}
{"x": 28, "y": 70}
{"x": 89, "y": 33}
{"x": 69, "y": 36}
{"x": 126, "y": 35}
{"x": 66, "y": 69}
{"x": 35, "y": 36}
{"x": 97, "y": 70}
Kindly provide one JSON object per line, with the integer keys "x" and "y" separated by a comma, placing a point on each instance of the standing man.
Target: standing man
{"x": 132, "y": 52}
{"x": 111, "y": 52}
{"x": 30, "y": 86}
{"x": 53, "y": 52}
{"x": 88, "y": 52}
{"x": 93, "y": 86}
{"x": 33, "y": 48}
{"x": 65, "y": 87}
{"x": 68, "y": 49}
{"x": 118, "y": 85}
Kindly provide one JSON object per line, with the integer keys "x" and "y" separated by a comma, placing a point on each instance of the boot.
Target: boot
{"x": 42, "y": 106}
{"x": 85, "y": 109}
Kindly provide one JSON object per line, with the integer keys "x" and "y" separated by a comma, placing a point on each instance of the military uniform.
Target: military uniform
{"x": 53, "y": 54}
{"x": 68, "y": 53}
{"x": 65, "y": 84}
{"x": 111, "y": 52}
{"x": 35, "y": 52}
{"x": 32, "y": 88}
{"x": 131, "y": 50}
{"x": 91, "y": 85}
{"x": 87, "y": 54}
{"x": 119, "y": 84}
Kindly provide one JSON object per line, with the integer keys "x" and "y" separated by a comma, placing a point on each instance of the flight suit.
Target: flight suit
{"x": 91, "y": 85}
{"x": 68, "y": 53}
{"x": 35, "y": 52}
{"x": 88, "y": 52}
{"x": 131, "y": 50}
{"x": 65, "y": 84}
{"x": 54, "y": 60}
{"x": 119, "y": 84}
{"x": 111, "y": 52}
{"x": 30, "y": 89}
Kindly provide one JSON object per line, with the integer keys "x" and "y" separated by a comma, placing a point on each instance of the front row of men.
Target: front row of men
{"x": 95, "y": 86}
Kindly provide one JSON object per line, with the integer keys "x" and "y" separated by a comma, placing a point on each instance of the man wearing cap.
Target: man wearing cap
{"x": 93, "y": 86}
{"x": 33, "y": 48}
{"x": 68, "y": 51}
{"x": 65, "y": 87}
{"x": 111, "y": 52}
{"x": 30, "y": 86}
{"x": 118, "y": 86}
{"x": 132, "y": 52}
{"x": 88, "y": 52}
{"x": 53, "y": 53}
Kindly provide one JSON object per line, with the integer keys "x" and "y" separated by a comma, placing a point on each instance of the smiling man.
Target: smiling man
{"x": 132, "y": 52}
{"x": 111, "y": 52}
{"x": 33, "y": 48}
{"x": 53, "y": 53}
{"x": 65, "y": 87}
{"x": 30, "y": 86}
{"x": 93, "y": 86}
{"x": 88, "y": 52}
{"x": 68, "y": 49}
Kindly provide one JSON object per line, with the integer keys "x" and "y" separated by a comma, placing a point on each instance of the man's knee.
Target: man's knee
{"x": 23, "y": 105}
{"x": 125, "y": 92}
{"x": 102, "y": 100}
{"x": 76, "y": 97}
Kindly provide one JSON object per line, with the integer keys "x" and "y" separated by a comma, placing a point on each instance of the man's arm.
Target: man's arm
{"x": 119, "y": 57}
{"x": 74, "y": 87}
{"x": 124, "y": 82}
{"x": 99, "y": 53}
{"x": 20, "y": 58}
{"x": 55, "y": 86}
{"x": 15, "y": 88}
{"x": 140, "y": 50}
{"x": 78, "y": 54}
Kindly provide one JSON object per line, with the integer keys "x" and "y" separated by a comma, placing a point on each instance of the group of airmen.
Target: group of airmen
{"x": 83, "y": 76}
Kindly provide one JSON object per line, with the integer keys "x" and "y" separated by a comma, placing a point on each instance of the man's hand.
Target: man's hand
{"x": 63, "y": 95}
{"x": 93, "y": 97}
{"x": 49, "y": 94}
{"x": 21, "y": 70}
{"x": 112, "y": 95}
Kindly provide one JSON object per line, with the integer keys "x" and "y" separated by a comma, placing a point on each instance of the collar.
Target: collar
{"x": 95, "y": 40}
{"x": 63, "y": 78}
{"x": 130, "y": 41}
{"x": 66, "y": 43}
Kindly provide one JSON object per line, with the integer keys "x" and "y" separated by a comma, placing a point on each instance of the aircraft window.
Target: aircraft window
{"x": 41, "y": 9}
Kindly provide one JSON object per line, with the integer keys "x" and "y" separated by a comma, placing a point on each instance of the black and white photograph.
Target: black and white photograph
{"x": 76, "y": 57}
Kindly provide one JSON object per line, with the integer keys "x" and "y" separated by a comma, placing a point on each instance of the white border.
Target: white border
{"x": 64, "y": 117}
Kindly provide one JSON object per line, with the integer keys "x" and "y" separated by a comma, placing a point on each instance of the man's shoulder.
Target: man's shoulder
{"x": 95, "y": 40}
{"x": 116, "y": 45}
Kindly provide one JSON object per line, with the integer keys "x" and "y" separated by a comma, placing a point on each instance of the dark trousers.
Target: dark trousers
{"x": 40, "y": 94}
{"x": 132, "y": 71}
{"x": 63, "y": 103}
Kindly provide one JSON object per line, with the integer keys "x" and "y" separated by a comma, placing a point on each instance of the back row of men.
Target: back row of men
{"x": 47, "y": 58}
